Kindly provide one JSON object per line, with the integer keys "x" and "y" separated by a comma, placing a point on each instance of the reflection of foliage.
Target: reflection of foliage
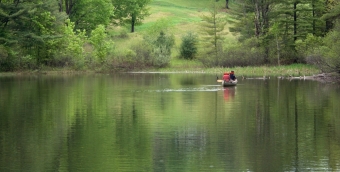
{"x": 100, "y": 120}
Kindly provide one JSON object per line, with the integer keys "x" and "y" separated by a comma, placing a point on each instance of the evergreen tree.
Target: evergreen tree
{"x": 188, "y": 48}
{"x": 295, "y": 19}
{"x": 27, "y": 27}
{"x": 331, "y": 13}
{"x": 212, "y": 30}
{"x": 162, "y": 49}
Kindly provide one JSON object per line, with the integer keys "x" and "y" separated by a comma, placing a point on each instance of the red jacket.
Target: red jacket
{"x": 226, "y": 77}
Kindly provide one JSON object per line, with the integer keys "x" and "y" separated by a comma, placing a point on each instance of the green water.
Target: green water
{"x": 167, "y": 122}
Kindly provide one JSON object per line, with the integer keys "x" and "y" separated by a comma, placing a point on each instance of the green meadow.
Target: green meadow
{"x": 181, "y": 17}
{"x": 184, "y": 16}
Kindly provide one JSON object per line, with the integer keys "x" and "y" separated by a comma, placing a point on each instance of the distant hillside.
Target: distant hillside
{"x": 182, "y": 15}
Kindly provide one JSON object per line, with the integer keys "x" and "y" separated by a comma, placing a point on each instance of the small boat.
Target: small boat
{"x": 229, "y": 83}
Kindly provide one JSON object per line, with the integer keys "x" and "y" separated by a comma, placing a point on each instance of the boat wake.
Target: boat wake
{"x": 196, "y": 89}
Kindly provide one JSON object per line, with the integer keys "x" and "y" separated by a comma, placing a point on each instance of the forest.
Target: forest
{"x": 115, "y": 35}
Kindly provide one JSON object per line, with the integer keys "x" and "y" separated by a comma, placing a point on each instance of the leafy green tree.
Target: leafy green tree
{"x": 322, "y": 52}
{"x": 72, "y": 50}
{"x": 310, "y": 47}
{"x": 130, "y": 12}
{"x": 331, "y": 51}
{"x": 87, "y": 14}
{"x": 98, "y": 40}
{"x": 275, "y": 31}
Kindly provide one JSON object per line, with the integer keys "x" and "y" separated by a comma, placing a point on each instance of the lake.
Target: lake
{"x": 167, "y": 122}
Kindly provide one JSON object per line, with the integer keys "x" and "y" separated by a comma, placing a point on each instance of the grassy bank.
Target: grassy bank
{"x": 185, "y": 66}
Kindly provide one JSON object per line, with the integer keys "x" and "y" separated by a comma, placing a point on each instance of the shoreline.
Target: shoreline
{"x": 264, "y": 72}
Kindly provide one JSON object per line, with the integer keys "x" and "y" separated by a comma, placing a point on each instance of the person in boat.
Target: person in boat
{"x": 232, "y": 75}
{"x": 226, "y": 77}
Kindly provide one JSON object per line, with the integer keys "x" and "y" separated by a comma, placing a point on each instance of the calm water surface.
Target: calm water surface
{"x": 167, "y": 122}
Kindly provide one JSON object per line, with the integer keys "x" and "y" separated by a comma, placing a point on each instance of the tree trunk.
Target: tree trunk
{"x": 257, "y": 20}
{"x": 329, "y": 23}
{"x": 313, "y": 14}
{"x": 295, "y": 21}
{"x": 60, "y": 3}
{"x": 295, "y": 27}
{"x": 133, "y": 21}
{"x": 277, "y": 49}
{"x": 265, "y": 18}
{"x": 227, "y": 4}
{"x": 68, "y": 6}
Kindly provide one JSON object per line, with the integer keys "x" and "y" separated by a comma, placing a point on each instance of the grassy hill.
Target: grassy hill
{"x": 181, "y": 16}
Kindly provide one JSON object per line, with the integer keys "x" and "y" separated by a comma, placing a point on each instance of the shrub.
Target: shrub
{"x": 10, "y": 60}
{"x": 243, "y": 54}
{"x": 98, "y": 41}
{"x": 123, "y": 33}
{"x": 161, "y": 41}
{"x": 188, "y": 48}
{"x": 162, "y": 49}
{"x": 161, "y": 58}
{"x": 143, "y": 52}
{"x": 322, "y": 52}
{"x": 331, "y": 50}
{"x": 28, "y": 62}
{"x": 72, "y": 51}
{"x": 211, "y": 56}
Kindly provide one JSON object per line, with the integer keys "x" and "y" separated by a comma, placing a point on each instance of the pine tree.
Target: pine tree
{"x": 212, "y": 30}
{"x": 26, "y": 27}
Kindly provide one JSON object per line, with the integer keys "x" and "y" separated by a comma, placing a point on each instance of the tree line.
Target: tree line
{"x": 56, "y": 32}
{"x": 280, "y": 32}
{"x": 35, "y": 33}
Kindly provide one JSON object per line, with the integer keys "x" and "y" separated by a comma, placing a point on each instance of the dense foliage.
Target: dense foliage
{"x": 282, "y": 28}
{"x": 79, "y": 34}
{"x": 130, "y": 11}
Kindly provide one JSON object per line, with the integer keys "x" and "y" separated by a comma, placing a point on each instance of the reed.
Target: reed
{"x": 294, "y": 70}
